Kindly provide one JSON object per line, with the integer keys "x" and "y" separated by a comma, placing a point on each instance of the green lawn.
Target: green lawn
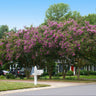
{"x": 90, "y": 77}
{"x": 83, "y": 79}
{"x": 5, "y": 85}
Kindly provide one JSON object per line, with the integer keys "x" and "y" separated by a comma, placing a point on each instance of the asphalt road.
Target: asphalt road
{"x": 81, "y": 90}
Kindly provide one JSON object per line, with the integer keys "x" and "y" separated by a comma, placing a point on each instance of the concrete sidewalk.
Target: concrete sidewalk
{"x": 53, "y": 85}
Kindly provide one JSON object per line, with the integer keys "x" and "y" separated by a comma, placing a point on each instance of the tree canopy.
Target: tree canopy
{"x": 57, "y": 11}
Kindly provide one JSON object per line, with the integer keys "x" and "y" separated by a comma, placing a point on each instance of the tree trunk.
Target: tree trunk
{"x": 27, "y": 72}
{"x": 78, "y": 75}
{"x": 50, "y": 73}
{"x": 63, "y": 72}
{"x": 50, "y": 76}
{"x": 49, "y": 69}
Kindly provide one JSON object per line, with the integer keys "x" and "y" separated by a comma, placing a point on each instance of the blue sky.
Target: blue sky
{"x": 20, "y": 13}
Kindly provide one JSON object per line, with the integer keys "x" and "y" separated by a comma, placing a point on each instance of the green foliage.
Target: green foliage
{"x": 92, "y": 72}
{"x": 14, "y": 29}
{"x": 5, "y": 66}
{"x": 3, "y": 28}
{"x": 84, "y": 72}
{"x": 44, "y": 74}
{"x": 2, "y": 77}
{"x": 0, "y": 67}
{"x": 74, "y": 15}
{"x": 70, "y": 78}
{"x": 91, "y": 18}
{"x": 59, "y": 74}
{"x": 57, "y": 11}
{"x": 21, "y": 77}
{"x": 69, "y": 73}
{"x": 10, "y": 76}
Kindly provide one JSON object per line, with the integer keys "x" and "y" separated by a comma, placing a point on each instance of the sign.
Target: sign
{"x": 36, "y": 72}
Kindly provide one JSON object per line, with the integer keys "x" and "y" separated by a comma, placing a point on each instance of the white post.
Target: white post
{"x": 36, "y": 72}
{"x": 35, "y": 79}
{"x": 35, "y": 75}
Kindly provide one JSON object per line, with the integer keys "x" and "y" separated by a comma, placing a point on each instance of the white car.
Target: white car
{"x": 5, "y": 72}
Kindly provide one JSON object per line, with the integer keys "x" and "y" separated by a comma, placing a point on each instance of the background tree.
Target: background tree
{"x": 91, "y": 18}
{"x": 3, "y": 29}
{"x": 71, "y": 14}
{"x": 14, "y": 30}
{"x": 57, "y": 11}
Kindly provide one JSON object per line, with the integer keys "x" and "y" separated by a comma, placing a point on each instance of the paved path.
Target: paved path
{"x": 55, "y": 86}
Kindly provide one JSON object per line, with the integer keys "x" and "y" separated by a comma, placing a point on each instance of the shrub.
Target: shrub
{"x": 70, "y": 78}
{"x": 44, "y": 74}
{"x": 58, "y": 74}
{"x": 69, "y": 73}
{"x": 84, "y": 72}
{"x": 92, "y": 72}
{"x": 2, "y": 77}
{"x": 21, "y": 77}
{"x": 10, "y": 76}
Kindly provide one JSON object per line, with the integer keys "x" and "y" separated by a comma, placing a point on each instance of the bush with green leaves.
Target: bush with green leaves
{"x": 21, "y": 77}
{"x": 10, "y": 76}
{"x": 69, "y": 73}
{"x": 92, "y": 72}
{"x": 2, "y": 77}
{"x": 84, "y": 72}
{"x": 44, "y": 74}
{"x": 58, "y": 74}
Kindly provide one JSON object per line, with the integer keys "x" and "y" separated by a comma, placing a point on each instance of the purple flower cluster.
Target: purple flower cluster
{"x": 64, "y": 38}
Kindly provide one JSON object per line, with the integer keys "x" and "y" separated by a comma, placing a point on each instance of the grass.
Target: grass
{"x": 83, "y": 79}
{"x": 5, "y": 85}
{"x": 90, "y": 77}
{"x": 74, "y": 81}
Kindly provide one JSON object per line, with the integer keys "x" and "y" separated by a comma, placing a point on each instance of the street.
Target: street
{"x": 80, "y": 90}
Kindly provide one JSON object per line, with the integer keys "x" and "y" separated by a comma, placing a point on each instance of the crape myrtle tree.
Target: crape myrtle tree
{"x": 23, "y": 46}
{"x": 48, "y": 43}
{"x": 84, "y": 39}
{"x": 74, "y": 40}
{"x": 52, "y": 37}
{"x": 57, "y": 43}
{"x": 30, "y": 44}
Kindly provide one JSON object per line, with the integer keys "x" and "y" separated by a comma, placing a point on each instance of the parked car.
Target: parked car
{"x": 5, "y": 72}
{"x": 21, "y": 72}
{"x": 1, "y": 72}
{"x": 18, "y": 72}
